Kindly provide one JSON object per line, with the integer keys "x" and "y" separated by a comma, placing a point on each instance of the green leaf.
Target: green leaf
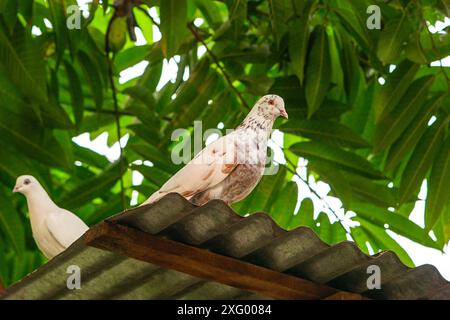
{"x": 130, "y": 57}
{"x": 279, "y": 12}
{"x": 92, "y": 76}
{"x": 318, "y": 71}
{"x": 393, "y": 123}
{"x": 304, "y": 216}
{"x": 31, "y": 140}
{"x": 335, "y": 156}
{"x": 372, "y": 192}
{"x": 151, "y": 153}
{"x": 188, "y": 90}
{"x": 396, "y": 222}
{"x": 91, "y": 188}
{"x": 412, "y": 134}
{"x": 391, "y": 39}
{"x": 210, "y": 11}
{"x": 284, "y": 207}
{"x": 438, "y": 186}
{"x": 383, "y": 238}
{"x": 58, "y": 19}
{"x": 11, "y": 224}
{"x": 396, "y": 85}
{"x": 76, "y": 92}
{"x": 336, "y": 179}
{"x": 350, "y": 21}
{"x": 422, "y": 158}
{"x": 298, "y": 41}
{"x": 329, "y": 232}
{"x": 326, "y": 131}
{"x": 153, "y": 174}
{"x": 173, "y": 25}
{"x": 23, "y": 63}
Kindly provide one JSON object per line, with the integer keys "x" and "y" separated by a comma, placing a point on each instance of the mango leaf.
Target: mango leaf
{"x": 372, "y": 192}
{"x": 391, "y": 39}
{"x": 412, "y": 134}
{"x": 328, "y": 232}
{"x": 396, "y": 85}
{"x": 304, "y": 216}
{"x": 335, "y": 156}
{"x": 353, "y": 25}
{"x": 394, "y": 122}
{"x": 188, "y": 91}
{"x": 24, "y": 64}
{"x": 422, "y": 158}
{"x": 284, "y": 207}
{"x": 11, "y": 224}
{"x": 58, "y": 19}
{"x": 91, "y": 188}
{"x": 396, "y": 222}
{"x": 438, "y": 186}
{"x": 279, "y": 12}
{"x": 298, "y": 44}
{"x": 318, "y": 71}
{"x": 336, "y": 179}
{"x": 32, "y": 141}
{"x": 76, "y": 92}
{"x": 383, "y": 238}
{"x": 173, "y": 25}
{"x": 92, "y": 76}
{"x": 210, "y": 11}
{"x": 326, "y": 131}
{"x": 151, "y": 153}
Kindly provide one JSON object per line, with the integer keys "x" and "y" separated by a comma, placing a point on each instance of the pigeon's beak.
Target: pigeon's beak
{"x": 284, "y": 114}
{"x": 15, "y": 189}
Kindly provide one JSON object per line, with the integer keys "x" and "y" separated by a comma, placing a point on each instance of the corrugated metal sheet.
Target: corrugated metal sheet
{"x": 214, "y": 226}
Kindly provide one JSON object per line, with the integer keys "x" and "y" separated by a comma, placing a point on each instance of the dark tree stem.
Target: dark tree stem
{"x": 116, "y": 112}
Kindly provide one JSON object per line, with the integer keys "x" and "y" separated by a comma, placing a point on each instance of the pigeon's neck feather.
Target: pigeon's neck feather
{"x": 258, "y": 120}
{"x": 39, "y": 204}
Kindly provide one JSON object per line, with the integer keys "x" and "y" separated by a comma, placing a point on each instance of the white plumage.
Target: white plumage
{"x": 230, "y": 167}
{"x": 54, "y": 229}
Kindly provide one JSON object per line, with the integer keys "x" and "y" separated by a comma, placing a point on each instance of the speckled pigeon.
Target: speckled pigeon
{"x": 230, "y": 167}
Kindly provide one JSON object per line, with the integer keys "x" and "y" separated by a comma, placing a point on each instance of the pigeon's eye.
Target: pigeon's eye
{"x": 271, "y": 102}
{"x": 27, "y": 181}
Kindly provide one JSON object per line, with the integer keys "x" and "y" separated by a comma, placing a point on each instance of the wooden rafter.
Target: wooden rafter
{"x": 205, "y": 264}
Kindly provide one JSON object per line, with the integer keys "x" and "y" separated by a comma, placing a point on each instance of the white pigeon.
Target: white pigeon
{"x": 54, "y": 229}
{"x": 230, "y": 167}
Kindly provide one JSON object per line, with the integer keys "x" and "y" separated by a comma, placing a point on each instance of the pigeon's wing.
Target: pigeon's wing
{"x": 65, "y": 227}
{"x": 209, "y": 167}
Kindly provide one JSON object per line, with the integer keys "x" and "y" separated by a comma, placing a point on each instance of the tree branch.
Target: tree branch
{"x": 314, "y": 191}
{"x": 116, "y": 112}
{"x": 227, "y": 77}
{"x": 109, "y": 112}
{"x": 433, "y": 44}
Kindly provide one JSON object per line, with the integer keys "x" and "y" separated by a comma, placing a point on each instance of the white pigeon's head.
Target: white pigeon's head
{"x": 271, "y": 105}
{"x": 26, "y": 183}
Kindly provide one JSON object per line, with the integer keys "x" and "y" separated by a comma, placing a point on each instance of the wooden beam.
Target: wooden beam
{"x": 342, "y": 295}
{"x": 202, "y": 263}
{"x": 2, "y": 288}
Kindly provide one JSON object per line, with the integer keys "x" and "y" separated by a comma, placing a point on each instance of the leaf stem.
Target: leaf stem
{"x": 227, "y": 77}
{"x": 294, "y": 171}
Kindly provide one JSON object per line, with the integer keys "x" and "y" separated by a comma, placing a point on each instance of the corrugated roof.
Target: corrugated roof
{"x": 256, "y": 240}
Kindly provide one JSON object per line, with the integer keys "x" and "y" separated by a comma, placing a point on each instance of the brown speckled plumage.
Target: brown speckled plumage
{"x": 230, "y": 167}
